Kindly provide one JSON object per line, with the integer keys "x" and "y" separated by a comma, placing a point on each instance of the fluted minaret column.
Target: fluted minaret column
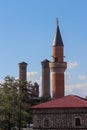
{"x": 23, "y": 71}
{"x": 45, "y": 78}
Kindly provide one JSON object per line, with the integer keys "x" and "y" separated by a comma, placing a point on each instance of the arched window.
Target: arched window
{"x": 77, "y": 121}
{"x": 46, "y": 122}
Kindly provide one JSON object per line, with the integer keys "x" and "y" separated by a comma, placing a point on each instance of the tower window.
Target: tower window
{"x": 46, "y": 122}
{"x": 56, "y": 59}
{"x": 77, "y": 121}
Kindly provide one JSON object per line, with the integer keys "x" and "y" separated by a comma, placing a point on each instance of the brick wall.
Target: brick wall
{"x": 59, "y": 119}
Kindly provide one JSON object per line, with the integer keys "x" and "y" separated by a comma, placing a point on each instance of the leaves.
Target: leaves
{"x": 13, "y": 104}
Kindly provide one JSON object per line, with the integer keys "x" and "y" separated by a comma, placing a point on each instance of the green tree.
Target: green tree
{"x": 13, "y": 104}
{"x": 45, "y": 99}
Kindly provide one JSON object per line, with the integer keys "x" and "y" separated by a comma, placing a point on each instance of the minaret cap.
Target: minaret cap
{"x": 57, "y": 37}
{"x": 23, "y": 64}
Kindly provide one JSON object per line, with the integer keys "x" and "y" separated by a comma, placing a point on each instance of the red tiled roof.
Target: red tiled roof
{"x": 69, "y": 101}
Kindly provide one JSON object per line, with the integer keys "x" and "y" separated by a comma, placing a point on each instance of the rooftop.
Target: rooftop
{"x": 69, "y": 101}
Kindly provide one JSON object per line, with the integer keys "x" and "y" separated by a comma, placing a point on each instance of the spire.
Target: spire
{"x": 57, "y": 37}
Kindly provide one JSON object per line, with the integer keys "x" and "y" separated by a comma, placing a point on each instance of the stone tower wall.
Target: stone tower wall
{"x": 57, "y": 52}
{"x": 58, "y": 89}
{"x": 23, "y": 71}
{"x": 45, "y": 79}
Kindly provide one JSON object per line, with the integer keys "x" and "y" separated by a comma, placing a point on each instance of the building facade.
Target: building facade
{"x": 69, "y": 112}
{"x": 59, "y": 119}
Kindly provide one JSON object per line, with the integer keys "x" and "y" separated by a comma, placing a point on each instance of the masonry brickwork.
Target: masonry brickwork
{"x": 57, "y": 66}
{"x": 23, "y": 71}
{"x": 60, "y": 119}
{"x": 45, "y": 78}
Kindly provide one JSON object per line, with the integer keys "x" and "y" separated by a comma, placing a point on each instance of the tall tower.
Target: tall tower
{"x": 45, "y": 78}
{"x": 57, "y": 65}
{"x": 23, "y": 71}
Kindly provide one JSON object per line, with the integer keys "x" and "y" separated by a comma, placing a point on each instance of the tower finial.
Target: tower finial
{"x": 57, "y": 21}
{"x": 57, "y": 37}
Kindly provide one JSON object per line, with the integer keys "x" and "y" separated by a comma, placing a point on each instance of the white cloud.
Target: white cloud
{"x": 82, "y": 77}
{"x": 33, "y": 77}
{"x": 31, "y": 73}
{"x": 68, "y": 77}
{"x": 77, "y": 89}
{"x": 72, "y": 65}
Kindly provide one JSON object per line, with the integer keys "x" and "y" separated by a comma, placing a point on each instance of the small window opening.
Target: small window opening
{"x": 56, "y": 59}
{"x": 77, "y": 122}
{"x": 46, "y": 122}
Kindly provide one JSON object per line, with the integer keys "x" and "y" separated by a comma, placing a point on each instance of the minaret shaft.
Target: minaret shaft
{"x": 45, "y": 79}
{"x": 57, "y": 66}
{"x": 57, "y": 53}
{"x": 23, "y": 71}
{"x": 57, "y": 82}
{"x": 22, "y": 76}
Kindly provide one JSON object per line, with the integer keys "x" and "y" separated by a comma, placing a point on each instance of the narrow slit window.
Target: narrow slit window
{"x": 77, "y": 122}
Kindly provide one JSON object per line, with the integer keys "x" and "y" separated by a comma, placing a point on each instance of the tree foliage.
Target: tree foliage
{"x": 13, "y": 104}
{"x": 45, "y": 99}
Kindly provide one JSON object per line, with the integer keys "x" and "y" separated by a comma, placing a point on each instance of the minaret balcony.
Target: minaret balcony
{"x": 58, "y": 67}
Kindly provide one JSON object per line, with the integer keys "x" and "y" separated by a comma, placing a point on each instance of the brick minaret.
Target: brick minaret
{"x": 57, "y": 65}
{"x": 45, "y": 78}
{"x": 23, "y": 71}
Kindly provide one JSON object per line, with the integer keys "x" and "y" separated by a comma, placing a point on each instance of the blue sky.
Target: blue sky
{"x": 27, "y": 29}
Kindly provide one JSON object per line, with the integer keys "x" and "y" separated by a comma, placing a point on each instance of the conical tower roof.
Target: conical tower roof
{"x": 57, "y": 37}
